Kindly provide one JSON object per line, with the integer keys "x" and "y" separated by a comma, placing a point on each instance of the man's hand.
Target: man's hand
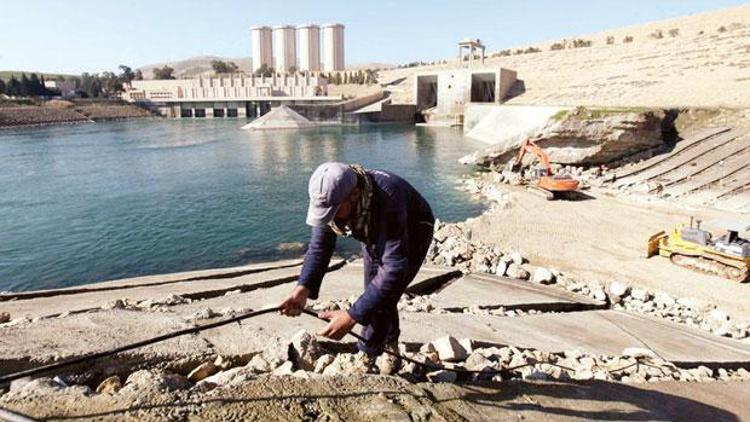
{"x": 340, "y": 324}
{"x": 295, "y": 303}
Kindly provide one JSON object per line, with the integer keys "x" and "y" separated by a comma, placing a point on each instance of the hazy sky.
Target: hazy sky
{"x": 74, "y": 36}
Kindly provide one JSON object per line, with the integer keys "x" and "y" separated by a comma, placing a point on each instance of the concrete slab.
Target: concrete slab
{"x": 30, "y": 345}
{"x": 158, "y": 279}
{"x": 600, "y": 332}
{"x": 52, "y": 305}
{"x": 349, "y": 280}
{"x": 493, "y": 291}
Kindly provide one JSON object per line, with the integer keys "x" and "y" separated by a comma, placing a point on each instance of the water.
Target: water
{"x": 87, "y": 203}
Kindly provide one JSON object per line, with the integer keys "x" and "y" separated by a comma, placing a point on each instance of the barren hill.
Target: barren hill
{"x": 700, "y": 60}
{"x": 195, "y": 66}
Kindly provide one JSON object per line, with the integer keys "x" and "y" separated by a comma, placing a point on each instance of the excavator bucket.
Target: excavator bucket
{"x": 653, "y": 243}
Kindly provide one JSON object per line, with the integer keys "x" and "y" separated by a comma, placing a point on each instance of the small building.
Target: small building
{"x": 470, "y": 45}
{"x": 441, "y": 95}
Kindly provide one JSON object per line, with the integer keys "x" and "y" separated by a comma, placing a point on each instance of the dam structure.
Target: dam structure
{"x": 235, "y": 95}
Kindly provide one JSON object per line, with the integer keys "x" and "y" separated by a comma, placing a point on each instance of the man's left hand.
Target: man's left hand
{"x": 340, "y": 323}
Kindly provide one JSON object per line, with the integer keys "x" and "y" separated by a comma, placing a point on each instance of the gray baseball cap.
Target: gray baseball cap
{"x": 329, "y": 186}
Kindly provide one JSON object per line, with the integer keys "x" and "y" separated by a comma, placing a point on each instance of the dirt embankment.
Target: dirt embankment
{"x": 62, "y": 112}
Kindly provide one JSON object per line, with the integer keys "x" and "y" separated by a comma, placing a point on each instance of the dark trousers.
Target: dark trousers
{"x": 384, "y": 326}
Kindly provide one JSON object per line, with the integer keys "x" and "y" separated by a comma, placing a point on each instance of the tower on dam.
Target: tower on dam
{"x": 262, "y": 46}
{"x": 333, "y": 37}
{"x": 309, "y": 47}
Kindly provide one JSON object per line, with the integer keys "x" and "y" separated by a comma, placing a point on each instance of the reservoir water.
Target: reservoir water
{"x": 95, "y": 202}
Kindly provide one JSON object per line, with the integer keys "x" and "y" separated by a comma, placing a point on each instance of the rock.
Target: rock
{"x": 582, "y": 138}
{"x": 34, "y": 387}
{"x": 387, "y": 364}
{"x": 149, "y": 379}
{"x": 598, "y": 294}
{"x": 516, "y": 257}
{"x": 664, "y": 300}
{"x": 427, "y": 348}
{"x": 638, "y": 352}
{"x": 536, "y": 375}
{"x": 478, "y": 362}
{"x": 717, "y": 317}
{"x": 347, "y": 363}
{"x": 500, "y": 268}
{"x": 115, "y": 304}
{"x": 467, "y": 344}
{"x": 442, "y": 376}
{"x": 231, "y": 376}
{"x": 618, "y": 290}
{"x": 204, "y": 313}
{"x": 543, "y": 276}
{"x": 258, "y": 364}
{"x": 277, "y": 352}
{"x": 304, "y": 350}
{"x": 286, "y": 368}
{"x": 4, "y": 317}
{"x": 202, "y": 371}
{"x": 110, "y": 385}
{"x": 226, "y": 362}
{"x": 449, "y": 349}
{"x": 448, "y": 230}
{"x": 516, "y": 271}
{"x": 17, "y": 385}
{"x": 640, "y": 294}
{"x": 323, "y": 362}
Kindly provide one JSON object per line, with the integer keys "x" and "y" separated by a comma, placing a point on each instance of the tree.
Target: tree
{"x": 292, "y": 69}
{"x": 91, "y": 85}
{"x": 164, "y": 73}
{"x": 126, "y": 74}
{"x": 111, "y": 84}
{"x": 138, "y": 75}
{"x": 25, "y": 86}
{"x": 2, "y": 86}
{"x": 264, "y": 70}
{"x": 36, "y": 88}
{"x": 14, "y": 86}
{"x": 224, "y": 67}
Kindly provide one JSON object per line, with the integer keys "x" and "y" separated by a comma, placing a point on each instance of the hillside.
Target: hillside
{"x": 195, "y": 66}
{"x": 700, "y": 60}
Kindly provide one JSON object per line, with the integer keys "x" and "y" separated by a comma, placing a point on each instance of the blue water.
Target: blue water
{"x": 103, "y": 201}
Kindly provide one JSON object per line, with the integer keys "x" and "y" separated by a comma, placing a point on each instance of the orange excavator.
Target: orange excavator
{"x": 551, "y": 186}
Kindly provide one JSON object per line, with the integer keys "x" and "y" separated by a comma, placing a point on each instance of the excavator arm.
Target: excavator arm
{"x": 531, "y": 146}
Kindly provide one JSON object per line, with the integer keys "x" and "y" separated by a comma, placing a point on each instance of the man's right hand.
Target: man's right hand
{"x": 295, "y": 303}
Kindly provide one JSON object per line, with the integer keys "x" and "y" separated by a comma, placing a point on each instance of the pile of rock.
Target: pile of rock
{"x": 452, "y": 246}
{"x": 687, "y": 311}
{"x": 446, "y": 359}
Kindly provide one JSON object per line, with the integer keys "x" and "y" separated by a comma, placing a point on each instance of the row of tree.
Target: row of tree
{"x": 104, "y": 85}
{"x": 27, "y": 86}
{"x": 359, "y": 77}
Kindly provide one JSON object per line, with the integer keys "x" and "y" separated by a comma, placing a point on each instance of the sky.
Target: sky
{"x": 76, "y": 36}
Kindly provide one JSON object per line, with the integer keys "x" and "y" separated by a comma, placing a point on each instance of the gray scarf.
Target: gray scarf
{"x": 358, "y": 224}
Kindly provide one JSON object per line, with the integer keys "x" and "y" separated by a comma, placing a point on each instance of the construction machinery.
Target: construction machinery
{"x": 728, "y": 256}
{"x": 545, "y": 183}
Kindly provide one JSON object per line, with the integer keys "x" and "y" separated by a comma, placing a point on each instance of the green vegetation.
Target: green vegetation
{"x": 359, "y": 77}
{"x": 264, "y": 70}
{"x": 220, "y": 67}
{"x": 165, "y": 72}
{"x": 104, "y": 85}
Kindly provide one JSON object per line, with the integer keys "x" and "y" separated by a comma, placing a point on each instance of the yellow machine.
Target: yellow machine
{"x": 692, "y": 247}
